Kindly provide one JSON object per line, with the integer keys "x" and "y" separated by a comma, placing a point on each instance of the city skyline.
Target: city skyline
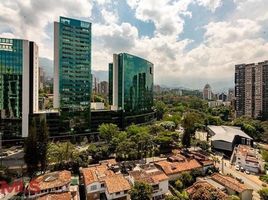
{"x": 191, "y": 51}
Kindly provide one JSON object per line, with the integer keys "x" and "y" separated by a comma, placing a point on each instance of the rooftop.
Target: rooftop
{"x": 247, "y": 152}
{"x": 226, "y": 133}
{"x": 116, "y": 183}
{"x": 176, "y": 167}
{"x": 150, "y": 175}
{"x": 54, "y": 179}
{"x": 207, "y": 187}
{"x": 229, "y": 182}
{"x": 102, "y": 173}
{"x": 57, "y": 196}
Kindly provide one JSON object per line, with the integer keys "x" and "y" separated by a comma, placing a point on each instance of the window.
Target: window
{"x": 93, "y": 187}
{"x": 117, "y": 193}
{"x": 102, "y": 185}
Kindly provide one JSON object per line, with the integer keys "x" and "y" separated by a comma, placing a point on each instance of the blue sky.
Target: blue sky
{"x": 190, "y": 42}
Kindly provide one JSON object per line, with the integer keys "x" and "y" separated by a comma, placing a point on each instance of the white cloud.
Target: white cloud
{"x": 28, "y": 19}
{"x": 212, "y": 5}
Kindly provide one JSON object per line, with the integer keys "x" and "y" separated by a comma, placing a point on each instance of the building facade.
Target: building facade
{"x": 251, "y": 90}
{"x": 132, "y": 83}
{"x": 72, "y": 64}
{"x": 207, "y": 92}
{"x": 19, "y": 84}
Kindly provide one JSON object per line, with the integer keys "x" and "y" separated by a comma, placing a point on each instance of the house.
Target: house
{"x": 200, "y": 187}
{"x": 203, "y": 159}
{"x": 177, "y": 164}
{"x": 232, "y": 186}
{"x": 247, "y": 157}
{"x": 225, "y": 138}
{"x": 101, "y": 182}
{"x": 51, "y": 183}
{"x": 57, "y": 196}
{"x": 154, "y": 177}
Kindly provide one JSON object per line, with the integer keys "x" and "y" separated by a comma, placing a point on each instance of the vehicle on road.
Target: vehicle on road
{"x": 247, "y": 172}
{"x": 237, "y": 167}
{"x": 242, "y": 169}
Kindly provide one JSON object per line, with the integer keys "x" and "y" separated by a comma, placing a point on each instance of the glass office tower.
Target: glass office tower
{"x": 19, "y": 64}
{"x": 72, "y": 74}
{"x": 132, "y": 83}
{"x": 72, "y": 64}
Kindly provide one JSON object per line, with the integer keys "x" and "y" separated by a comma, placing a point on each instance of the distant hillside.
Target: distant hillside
{"x": 47, "y": 66}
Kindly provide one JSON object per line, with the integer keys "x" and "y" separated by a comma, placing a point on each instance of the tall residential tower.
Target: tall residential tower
{"x": 251, "y": 90}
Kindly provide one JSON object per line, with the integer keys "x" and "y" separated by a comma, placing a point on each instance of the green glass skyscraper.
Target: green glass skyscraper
{"x": 72, "y": 64}
{"x": 19, "y": 67}
{"x": 132, "y": 83}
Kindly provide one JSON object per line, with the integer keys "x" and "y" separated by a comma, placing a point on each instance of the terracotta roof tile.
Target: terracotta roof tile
{"x": 54, "y": 179}
{"x": 229, "y": 182}
{"x": 116, "y": 183}
{"x": 149, "y": 177}
{"x": 206, "y": 186}
{"x": 176, "y": 167}
{"x": 56, "y": 196}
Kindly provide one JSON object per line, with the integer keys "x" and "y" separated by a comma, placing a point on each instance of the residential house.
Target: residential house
{"x": 177, "y": 164}
{"x": 52, "y": 183}
{"x": 204, "y": 186}
{"x": 154, "y": 177}
{"x": 232, "y": 186}
{"x": 101, "y": 182}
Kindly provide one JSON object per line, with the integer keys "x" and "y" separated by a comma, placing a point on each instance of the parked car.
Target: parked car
{"x": 242, "y": 169}
{"x": 237, "y": 167}
{"x": 247, "y": 172}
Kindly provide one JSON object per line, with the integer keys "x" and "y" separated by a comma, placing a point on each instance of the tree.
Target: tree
{"x": 186, "y": 179}
{"x": 42, "y": 143}
{"x": 179, "y": 185}
{"x": 108, "y": 131}
{"x": 190, "y": 123}
{"x": 61, "y": 152}
{"x": 160, "y": 107}
{"x": 263, "y": 193}
{"x": 30, "y": 149}
{"x": 141, "y": 191}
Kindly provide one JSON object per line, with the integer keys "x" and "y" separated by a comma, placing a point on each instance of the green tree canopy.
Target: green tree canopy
{"x": 141, "y": 191}
{"x": 108, "y": 131}
{"x": 263, "y": 193}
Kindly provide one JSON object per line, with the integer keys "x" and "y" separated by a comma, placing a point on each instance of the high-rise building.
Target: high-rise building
{"x": 103, "y": 88}
{"x": 19, "y": 84}
{"x": 223, "y": 97}
{"x": 251, "y": 90}
{"x": 231, "y": 94}
{"x": 72, "y": 64}
{"x": 207, "y": 92}
{"x": 132, "y": 83}
{"x": 110, "y": 83}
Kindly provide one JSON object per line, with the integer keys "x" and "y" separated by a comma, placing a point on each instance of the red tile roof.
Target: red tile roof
{"x": 177, "y": 167}
{"x": 54, "y": 179}
{"x": 116, "y": 183}
{"x": 56, "y": 196}
{"x": 206, "y": 187}
{"x": 153, "y": 177}
{"x": 229, "y": 182}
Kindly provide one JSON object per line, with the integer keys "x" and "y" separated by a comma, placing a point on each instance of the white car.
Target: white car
{"x": 237, "y": 167}
{"x": 247, "y": 172}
